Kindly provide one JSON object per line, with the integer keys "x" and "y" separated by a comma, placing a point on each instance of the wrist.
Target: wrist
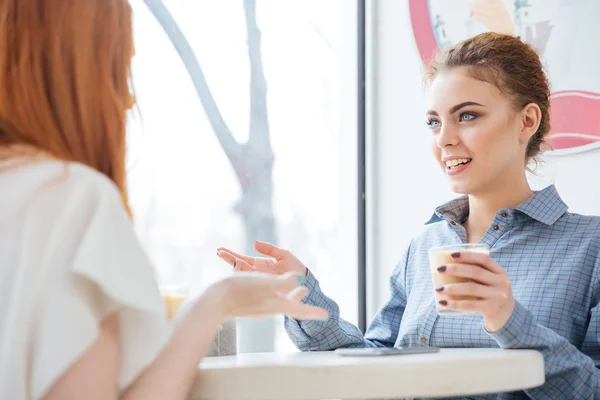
{"x": 500, "y": 320}
{"x": 214, "y": 302}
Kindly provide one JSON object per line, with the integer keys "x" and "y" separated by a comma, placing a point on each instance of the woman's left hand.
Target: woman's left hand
{"x": 490, "y": 285}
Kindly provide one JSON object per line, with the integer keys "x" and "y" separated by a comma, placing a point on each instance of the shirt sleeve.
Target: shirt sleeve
{"x": 336, "y": 332}
{"x": 570, "y": 374}
{"x": 106, "y": 271}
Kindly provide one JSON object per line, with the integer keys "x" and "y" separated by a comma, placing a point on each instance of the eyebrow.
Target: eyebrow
{"x": 456, "y": 107}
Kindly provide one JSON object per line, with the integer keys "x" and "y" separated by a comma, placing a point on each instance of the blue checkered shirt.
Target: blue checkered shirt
{"x": 553, "y": 262}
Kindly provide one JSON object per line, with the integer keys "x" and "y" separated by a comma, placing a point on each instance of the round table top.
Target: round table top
{"x": 327, "y": 375}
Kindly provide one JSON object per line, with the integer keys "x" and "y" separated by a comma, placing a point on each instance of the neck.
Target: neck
{"x": 484, "y": 206}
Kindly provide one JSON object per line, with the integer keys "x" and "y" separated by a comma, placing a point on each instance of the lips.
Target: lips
{"x": 575, "y": 119}
{"x": 455, "y": 163}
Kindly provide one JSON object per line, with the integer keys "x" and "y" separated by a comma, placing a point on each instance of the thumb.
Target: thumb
{"x": 269, "y": 249}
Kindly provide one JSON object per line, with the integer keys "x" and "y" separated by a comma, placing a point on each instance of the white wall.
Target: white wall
{"x": 577, "y": 178}
{"x": 405, "y": 185}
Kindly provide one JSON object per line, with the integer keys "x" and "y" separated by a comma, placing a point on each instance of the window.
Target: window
{"x": 247, "y": 130}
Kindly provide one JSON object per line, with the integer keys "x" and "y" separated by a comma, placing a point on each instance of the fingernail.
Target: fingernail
{"x": 442, "y": 268}
{"x": 454, "y": 255}
{"x": 443, "y": 302}
{"x": 301, "y": 279}
{"x": 441, "y": 288}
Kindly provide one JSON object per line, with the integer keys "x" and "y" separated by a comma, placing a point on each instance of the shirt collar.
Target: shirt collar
{"x": 454, "y": 210}
{"x": 544, "y": 206}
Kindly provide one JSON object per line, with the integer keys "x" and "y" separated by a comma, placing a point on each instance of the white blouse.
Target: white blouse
{"x": 69, "y": 257}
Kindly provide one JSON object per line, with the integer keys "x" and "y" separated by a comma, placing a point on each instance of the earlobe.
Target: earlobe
{"x": 531, "y": 117}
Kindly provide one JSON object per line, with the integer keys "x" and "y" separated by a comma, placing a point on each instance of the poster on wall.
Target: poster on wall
{"x": 565, "y": 33}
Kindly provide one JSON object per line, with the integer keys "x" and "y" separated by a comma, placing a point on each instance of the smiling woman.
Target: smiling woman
{"x": 488, "y": 115}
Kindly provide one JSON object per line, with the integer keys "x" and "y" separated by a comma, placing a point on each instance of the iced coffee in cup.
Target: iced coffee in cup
{"x": 173, "y": 296}
{"x": 441, "y": 255}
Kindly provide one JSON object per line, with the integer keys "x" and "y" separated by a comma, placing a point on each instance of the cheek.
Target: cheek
{"x": 435, "y": 149}
{"x": 491, "y": 141}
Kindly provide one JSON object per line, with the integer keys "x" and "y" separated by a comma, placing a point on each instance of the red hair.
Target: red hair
{"x": 65, "y": 80}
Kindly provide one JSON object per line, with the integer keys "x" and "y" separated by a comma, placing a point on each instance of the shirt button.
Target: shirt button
{"x": 423, "y": 339}
{"x": 504, "y": 215}
{"x": 452, "y": 223}
{"x": 496, "y": 227}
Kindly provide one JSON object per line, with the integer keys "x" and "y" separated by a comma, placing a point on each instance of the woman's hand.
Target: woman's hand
{"x": 493, "y": 15}
{"x": 259, "y": 295}
{"x": 490, "y": 285}
{"x": 278, "y": 261}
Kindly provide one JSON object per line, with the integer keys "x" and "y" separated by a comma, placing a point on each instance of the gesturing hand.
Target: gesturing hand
{"x": 278, "y": 261}
{"x": 257, "y": 295}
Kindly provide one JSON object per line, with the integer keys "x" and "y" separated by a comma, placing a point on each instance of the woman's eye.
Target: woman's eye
{"x": 432, "y": 123}
{"x": 467, "y": 117}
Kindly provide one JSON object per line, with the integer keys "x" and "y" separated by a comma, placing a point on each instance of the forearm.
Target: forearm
{"x": 330, "y": 334}
{"x": 569, "y": 373}
{"x": 326, "y": 335}
{"x": 174, "y": 371}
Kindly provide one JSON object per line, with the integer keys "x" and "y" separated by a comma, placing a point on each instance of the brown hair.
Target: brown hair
{"x": 65, "y": 80}
{"x": 510, "y": 64}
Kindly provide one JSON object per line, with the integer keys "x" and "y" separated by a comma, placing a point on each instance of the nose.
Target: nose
{"x": 447, "y": 137}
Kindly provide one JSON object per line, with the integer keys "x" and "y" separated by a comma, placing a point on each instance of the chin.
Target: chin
{"x": 468, "y": 182}
{"x": 459, "y": 190}
{"x": 460, "y": 187}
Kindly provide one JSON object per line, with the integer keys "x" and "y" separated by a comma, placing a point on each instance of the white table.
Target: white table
{"x": 325, "y": 375}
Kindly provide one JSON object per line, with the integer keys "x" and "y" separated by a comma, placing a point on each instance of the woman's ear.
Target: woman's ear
{"x": 531, "y": 117}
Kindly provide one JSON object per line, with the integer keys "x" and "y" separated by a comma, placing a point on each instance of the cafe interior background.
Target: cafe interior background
{"x": 301, "y": 122}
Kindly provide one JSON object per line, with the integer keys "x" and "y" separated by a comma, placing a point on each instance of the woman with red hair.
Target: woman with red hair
{"x": 82, "y": 316}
